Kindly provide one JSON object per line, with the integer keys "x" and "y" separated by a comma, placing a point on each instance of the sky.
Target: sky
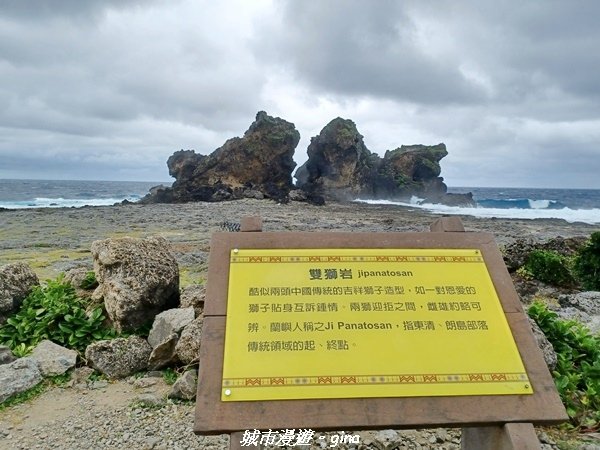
{"x": 109, "y": 89}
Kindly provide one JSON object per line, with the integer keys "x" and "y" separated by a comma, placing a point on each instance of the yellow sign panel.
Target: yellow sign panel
{"x": 348, "y": 323}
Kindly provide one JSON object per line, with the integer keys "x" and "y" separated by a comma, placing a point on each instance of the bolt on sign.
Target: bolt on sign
{"x": 342, "y": 323}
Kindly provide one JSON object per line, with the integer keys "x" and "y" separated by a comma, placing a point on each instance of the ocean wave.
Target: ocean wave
{"x": 520, "y": 203}
{"x": 591, "y": 216}
{"x": 43, "y": 202}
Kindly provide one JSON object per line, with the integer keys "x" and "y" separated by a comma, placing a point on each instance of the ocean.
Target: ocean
{"x": 19, "y": 194}
{"x": 572, "y": 205}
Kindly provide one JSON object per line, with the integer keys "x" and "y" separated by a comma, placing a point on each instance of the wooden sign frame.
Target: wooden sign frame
{"x": 213, "y": 416}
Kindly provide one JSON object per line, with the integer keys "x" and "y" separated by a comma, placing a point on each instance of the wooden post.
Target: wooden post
{"x": 251, "y": 223}
{"x": 248, "y": 224}
{"x": 447, "y": 224}
{"x": 511, "y": 436}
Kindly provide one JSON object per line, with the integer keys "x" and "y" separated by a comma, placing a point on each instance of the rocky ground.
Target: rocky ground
{"x": 133, "y": 413}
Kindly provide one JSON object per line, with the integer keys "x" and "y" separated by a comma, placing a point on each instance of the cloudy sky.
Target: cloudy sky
{"x": 109, "y": 89}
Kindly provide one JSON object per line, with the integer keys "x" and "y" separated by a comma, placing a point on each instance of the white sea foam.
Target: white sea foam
{"x": 591, "y": 216}
{"x": 539, "y": 204}
{"x": 42, "y": 202}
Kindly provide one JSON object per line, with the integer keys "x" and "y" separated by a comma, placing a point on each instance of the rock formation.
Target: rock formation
{"x": 18, "y": 376}
{"x": 339, "y": 164}
{"x": 138, "y": 278}
{"x": 257, "y": 165}
{"x": 120, "y": 357}
{"x": 341, "y": 167}
{"x": 16, "y": 282}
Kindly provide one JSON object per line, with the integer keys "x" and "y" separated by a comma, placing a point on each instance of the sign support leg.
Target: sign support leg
{"x": 511, "y": 436}
{"x": 248, "y": 224}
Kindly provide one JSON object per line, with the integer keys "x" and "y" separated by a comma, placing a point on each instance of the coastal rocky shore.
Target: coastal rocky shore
{"x": 340, "y": 167}
{"x": 134, "y": 412}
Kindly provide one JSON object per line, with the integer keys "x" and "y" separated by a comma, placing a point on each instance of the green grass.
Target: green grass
{"x": 36, "y": 391}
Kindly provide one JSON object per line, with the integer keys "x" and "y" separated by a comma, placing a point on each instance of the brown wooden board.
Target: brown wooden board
{"x": 214, "y": 416}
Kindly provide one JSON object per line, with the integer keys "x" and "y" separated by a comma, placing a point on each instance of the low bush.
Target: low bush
{"x": 549, "y": 267}
{"x": 577, "y": 374}
{"x": 54, "y": 312}
{"x": 89, "y": 282}
{"x": 587, "y": 264}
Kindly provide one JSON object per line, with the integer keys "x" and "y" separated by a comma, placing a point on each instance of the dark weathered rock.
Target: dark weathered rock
{"x": 339, "y": 164}
{"x": 138, "y": 278}
{"x": 451, "y": 199}
{"x": 17, "y": 377}
{"x": 119, "y": 358}
{"x": 53, "y": 359}
{"x": 411, "y": 170}
{"x": 6, "y": 355}
{"x": 188, "y": 347}
{"x": 341, "y": 167}
{"x": 258, "y": 164}
{"x": 16, "y": 282}
{"x": 185, "y": 387}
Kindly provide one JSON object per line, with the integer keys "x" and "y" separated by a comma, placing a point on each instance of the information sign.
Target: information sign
{"x": 350, "y": 323}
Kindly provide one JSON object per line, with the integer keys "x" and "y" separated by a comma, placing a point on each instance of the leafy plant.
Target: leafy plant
{"x": 577, "y": 373}
{"x": 54, "y": 312}
{"x": 549, "y": 267}
{"x": 587, "y": 264}
{"x": 89, "y": 282}
{"x": 170, "y": 375}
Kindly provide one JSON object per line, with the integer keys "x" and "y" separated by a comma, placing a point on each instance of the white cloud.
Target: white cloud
{"x": 111, "y": 89}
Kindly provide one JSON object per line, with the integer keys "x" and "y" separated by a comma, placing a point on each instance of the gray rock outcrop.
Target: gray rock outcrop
{"x": 188, "y": 346}
{"x": 138, "y": 278}
{"x": 193, "y": 296}
{"x": 6, "y": 355}
{"x": 163, "y": 354}
{"x": 18, "y": 376}
{"x": 77, "y": 278}
{"x": 164, "y": 335}
{"x": 119, "y": 358}
{"x": 169, "y": 322}
{"x": 53, "y": 359}
{"x": 583, "y": 307}
{"x": 185, "y": 387}
{"x": 16, "y": 282}
{"x": 544, "y": 344}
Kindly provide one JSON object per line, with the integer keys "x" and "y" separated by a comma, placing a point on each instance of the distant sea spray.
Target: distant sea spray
{"x": 21, "y": 194}
{"x": 572, "y": 205}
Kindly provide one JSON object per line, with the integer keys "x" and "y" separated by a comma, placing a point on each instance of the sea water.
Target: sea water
{"x": 572, "y": 205}
{"x": 18, "y": 194}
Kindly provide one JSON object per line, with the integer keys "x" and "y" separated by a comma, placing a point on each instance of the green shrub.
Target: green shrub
{"x": 54, "y": 312}
{"x": 587, "y": 264}
{"x": 89, "y": 282}
{"x": 549, "y": 267}
{"x": 577, "y": 373}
